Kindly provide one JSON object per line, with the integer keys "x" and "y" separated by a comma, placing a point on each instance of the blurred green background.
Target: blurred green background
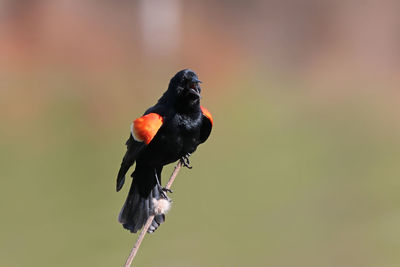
{"x": 302, "y": 167}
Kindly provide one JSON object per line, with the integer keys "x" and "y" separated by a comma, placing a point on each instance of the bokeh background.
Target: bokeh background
{"x": 302, "y": 167}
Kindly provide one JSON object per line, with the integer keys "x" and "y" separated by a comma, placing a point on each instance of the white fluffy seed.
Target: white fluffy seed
{"x": 161, "y": 206}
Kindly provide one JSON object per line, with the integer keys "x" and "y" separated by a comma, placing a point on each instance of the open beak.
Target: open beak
{"x": 195, "y": 88}
{"x": 196, "y": 91}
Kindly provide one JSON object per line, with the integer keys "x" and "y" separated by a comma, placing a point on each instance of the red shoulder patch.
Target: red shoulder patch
{"x": 146, "y": 127}
{"x": 207, "y": 114}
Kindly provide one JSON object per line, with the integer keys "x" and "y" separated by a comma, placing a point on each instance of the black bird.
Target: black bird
{"x": 169, "y": 131}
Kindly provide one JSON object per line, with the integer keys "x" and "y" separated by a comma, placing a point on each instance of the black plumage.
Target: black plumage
{"x": 184, "y": 126}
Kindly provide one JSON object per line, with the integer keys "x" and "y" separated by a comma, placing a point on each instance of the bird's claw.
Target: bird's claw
{"x": 163, "y": 192}
{"x": 185, "y": 161}
{"x": 166, "y": 190}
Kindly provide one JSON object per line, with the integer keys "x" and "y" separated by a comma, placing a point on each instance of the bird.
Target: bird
{"x": 167, "y": 132}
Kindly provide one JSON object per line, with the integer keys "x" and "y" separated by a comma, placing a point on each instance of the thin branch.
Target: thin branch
{"x": 150, "y": 219}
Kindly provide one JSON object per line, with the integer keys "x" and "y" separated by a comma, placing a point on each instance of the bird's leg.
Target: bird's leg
{"x": 185, "y": 161}
{"x": 163, "y": 189}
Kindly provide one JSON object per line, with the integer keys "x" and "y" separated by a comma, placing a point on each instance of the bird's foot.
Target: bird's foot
{"x": 164, "y": 189}
{"x": 163, "y": 192}
{"x": 185, "y": 161}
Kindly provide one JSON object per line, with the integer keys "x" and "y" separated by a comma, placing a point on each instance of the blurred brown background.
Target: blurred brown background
{"x": 302, "y": 167}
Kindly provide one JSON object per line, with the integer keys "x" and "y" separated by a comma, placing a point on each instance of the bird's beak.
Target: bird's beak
{"x": 195, "y": 80}
{"x": 195, "y": 88}
{"x": 195, "y": 91}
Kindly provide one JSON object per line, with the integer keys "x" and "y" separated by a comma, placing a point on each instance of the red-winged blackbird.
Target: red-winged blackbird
{"x": 169, "y": 131}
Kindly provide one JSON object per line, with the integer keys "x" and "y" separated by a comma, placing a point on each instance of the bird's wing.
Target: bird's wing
{"x": 143, "y": 130}
{"x": 146, "y": 127}
{"x": 206, "y": 125}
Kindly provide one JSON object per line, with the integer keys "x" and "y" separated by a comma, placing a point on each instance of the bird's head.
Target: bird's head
{"x": 185, "y": 86}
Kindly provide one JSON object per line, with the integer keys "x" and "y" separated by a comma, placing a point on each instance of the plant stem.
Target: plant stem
{"x": 150, "y": 219}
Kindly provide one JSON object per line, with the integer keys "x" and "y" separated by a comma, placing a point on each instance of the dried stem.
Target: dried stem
{"x": 150, "y": 219}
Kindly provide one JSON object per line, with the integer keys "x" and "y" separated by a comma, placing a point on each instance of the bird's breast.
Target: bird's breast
{"x": 175, "y": 139}
{"x": 183, "y": 133}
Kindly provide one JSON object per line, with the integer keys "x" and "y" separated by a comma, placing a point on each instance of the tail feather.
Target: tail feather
{"x": 159, "y": 218}
{"x": 139, "y": 206}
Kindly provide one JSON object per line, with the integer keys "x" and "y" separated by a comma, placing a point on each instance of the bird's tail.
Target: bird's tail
{"x": 139, "y": 205}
